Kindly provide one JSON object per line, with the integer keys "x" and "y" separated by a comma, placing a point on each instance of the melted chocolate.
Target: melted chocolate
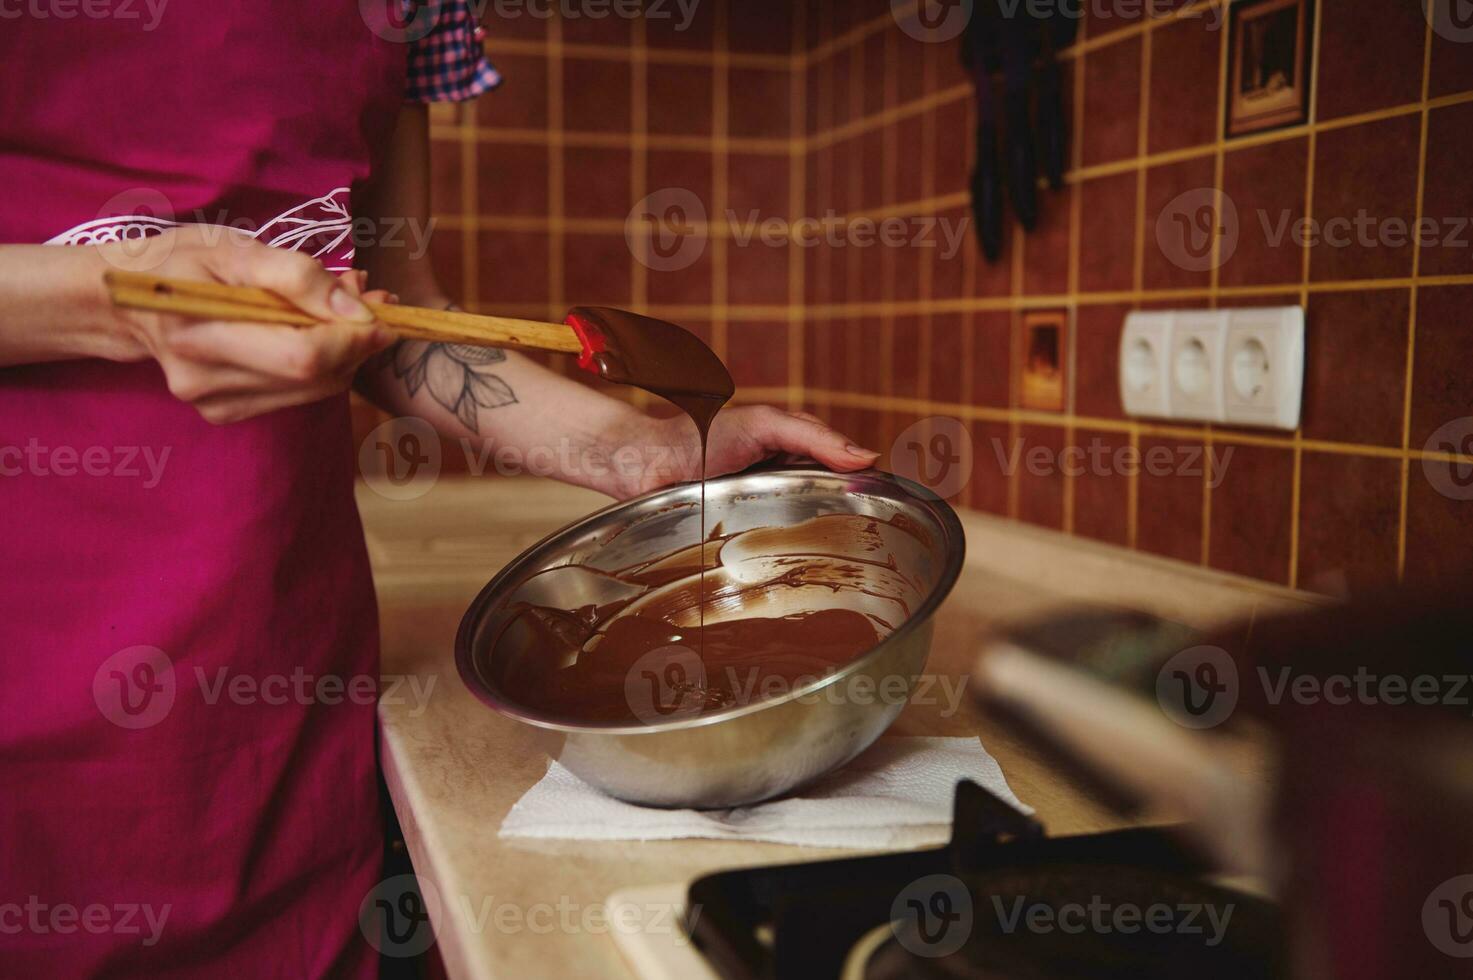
{"x": 740, "y": 660}
{"x": 789, "y": 605}
{"x": 661, "y": 358}
{"x": 786, "y": 606}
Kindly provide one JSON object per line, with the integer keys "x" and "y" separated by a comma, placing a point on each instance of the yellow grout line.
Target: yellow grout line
{"x": 861, "y": 32}
{"x": 555, "y": 169}
{"x": 889, "y": 148}
{"x": 1296, "y": 483}
{"x": 769, "y": 313}
{"x": 1143, "y": 123}
{"x": 1133, "y": 493}
{"x": 762, "y": 394}
{"x": 1214, "y": 281}
{"x": 1130, "y": 164}
{"x": 608, "y": 141}
{"x": 798, "y": 164}
{"x": 1165, "y": 430}
{"x": 853, "y": 267}
{"x": 1138, "y": 257}
{"x": 588, "y": 226}
{"x": 859, "y": 124}
{"x": 470, "y": 246}
{"x": 854, "y": 37}
{"x": 1015, "y": 365}
{"x": 639, "y": 115}
{"x": 825, "y": 110}
{"x": 925, "y": 272}
{"x": 639, "y": 152}
{"x": 833, "y": 311}
{"x": 1406, "y": 409}
{"x": 822, "y": 311}
{"x": 1076, "y": 224}
{"x": 720, "y": 176}
{"x": 658, "y": 56}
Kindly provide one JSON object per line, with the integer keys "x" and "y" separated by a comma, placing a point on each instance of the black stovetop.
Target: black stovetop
{"x": 1001, "y": 900}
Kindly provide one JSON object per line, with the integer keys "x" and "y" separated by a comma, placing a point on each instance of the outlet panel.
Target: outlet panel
{"x": 1240, "y": 366}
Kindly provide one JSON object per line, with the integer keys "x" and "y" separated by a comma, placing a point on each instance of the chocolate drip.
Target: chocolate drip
{"x": 668, "y": 361}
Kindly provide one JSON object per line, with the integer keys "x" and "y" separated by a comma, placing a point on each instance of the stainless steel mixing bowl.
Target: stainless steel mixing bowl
{"x": 751, "y": 751}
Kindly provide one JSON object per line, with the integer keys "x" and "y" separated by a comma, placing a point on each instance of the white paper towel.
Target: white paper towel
{"x": 898, "y": 793}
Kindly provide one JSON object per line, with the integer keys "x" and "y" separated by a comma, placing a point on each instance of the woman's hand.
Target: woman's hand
{"x": 665, "y": 451}
{"x": 231, "y": 371}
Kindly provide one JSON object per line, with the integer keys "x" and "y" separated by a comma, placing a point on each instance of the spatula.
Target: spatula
{"x": 619, "y": 346}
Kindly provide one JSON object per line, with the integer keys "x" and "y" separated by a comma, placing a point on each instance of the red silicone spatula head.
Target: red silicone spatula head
{"x": 627, "y": 348}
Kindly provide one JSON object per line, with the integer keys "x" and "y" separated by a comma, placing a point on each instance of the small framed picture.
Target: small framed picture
{"x": 1045, "y": 360}
{"x": 1268, "y": 77}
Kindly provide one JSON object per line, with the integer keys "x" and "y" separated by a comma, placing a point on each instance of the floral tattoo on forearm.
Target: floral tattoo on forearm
{"x": 456, "y": 377}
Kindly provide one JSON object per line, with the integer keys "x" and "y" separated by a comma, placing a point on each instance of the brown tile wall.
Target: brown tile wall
{"x": 826, "y": 107}
{"x": 1354, "y": 498}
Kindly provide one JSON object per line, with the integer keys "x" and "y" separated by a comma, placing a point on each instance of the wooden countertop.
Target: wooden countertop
{"x": 455, "y": 768}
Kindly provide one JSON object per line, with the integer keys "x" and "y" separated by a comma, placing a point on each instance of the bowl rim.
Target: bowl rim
{"x": 940, "y": 510}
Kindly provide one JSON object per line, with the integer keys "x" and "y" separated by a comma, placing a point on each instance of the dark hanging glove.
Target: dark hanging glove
{"x": 1058, "y": 33}
{"x": 1010, "y": 38}
{"x": 1051, "y": 132}
{"x": 1017, "y": 34}
{"x": 980, "y": 56}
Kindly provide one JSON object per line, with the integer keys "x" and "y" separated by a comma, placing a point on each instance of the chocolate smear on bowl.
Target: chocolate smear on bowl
{"x": 777, "y": 608}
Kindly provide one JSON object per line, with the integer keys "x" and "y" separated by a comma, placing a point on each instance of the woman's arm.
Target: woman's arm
{"x": 502, "y": 402}
{"x": 54, "y": 307}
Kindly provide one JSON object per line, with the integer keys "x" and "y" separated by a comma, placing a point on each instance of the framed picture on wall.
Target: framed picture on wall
{"x": 1269, "y": 72}
{"x": 1045, "y": 360}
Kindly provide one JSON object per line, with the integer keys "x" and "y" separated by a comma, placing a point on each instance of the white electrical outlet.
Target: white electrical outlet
{"x": 1145, "y": 344}
{"x": 1241, "y": 366}
{"x": 1265, "y": 367}
{"x": 1195, "y": 377}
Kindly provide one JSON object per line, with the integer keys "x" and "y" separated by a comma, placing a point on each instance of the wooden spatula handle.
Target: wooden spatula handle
{"x": 139, "y": 291}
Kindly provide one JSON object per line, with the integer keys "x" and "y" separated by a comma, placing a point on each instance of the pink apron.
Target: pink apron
{"x": 187, "y": 727}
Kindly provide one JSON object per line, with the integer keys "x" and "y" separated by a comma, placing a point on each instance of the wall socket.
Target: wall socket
{"x": 1238, "y": 366}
